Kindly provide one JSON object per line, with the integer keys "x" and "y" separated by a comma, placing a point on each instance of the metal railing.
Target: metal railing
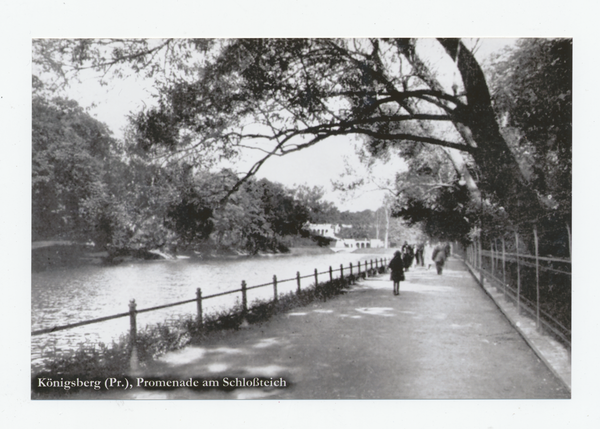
{"x": 367, "y": 269}
{"x": 538, "y": 285}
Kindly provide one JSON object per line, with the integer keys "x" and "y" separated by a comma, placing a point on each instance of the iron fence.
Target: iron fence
{"x": 366, "y": 269}
{"x": 539, "y": 286}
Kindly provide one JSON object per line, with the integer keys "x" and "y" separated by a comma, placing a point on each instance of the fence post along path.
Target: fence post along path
{"x": 133, "y": 361}
{"x": 199, "y": 306}
{"x": 539, "y": 286}
{"x": 133, "y": 311}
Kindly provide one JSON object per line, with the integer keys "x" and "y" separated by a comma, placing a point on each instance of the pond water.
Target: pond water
{"x": 71, "y": 295}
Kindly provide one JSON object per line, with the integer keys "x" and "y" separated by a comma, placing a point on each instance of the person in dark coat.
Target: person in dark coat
{"x": 408, "y": 255}
{"x": 439, "y": 257}
{"x": 397, "y": 268}
{"x": 419, "y": 254}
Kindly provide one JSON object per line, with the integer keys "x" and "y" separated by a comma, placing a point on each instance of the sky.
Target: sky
{"x": 315, "y": 166}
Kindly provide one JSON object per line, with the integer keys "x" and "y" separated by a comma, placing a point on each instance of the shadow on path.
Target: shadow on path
{"x": 442, "y": 338}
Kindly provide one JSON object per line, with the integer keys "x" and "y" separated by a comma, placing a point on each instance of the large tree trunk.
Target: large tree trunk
{"x": 501, "y": 175}
{"x": 460, "y": 165}
{"x": 455, "y": 156}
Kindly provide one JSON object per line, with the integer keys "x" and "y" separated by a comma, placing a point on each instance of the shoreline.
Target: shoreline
{"x": 50, "y": 255}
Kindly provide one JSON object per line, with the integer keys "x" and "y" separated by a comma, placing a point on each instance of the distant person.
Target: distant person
{"x": 448, "y": 249}
{"x": 428, "y": 254}
{"x": 397, "y": 267}
{"x": 408, "y": 255}
{"x": 419, "y": 254}
{"x": 439, "y": 257}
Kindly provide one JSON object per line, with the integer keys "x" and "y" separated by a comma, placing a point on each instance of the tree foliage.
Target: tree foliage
{"x": 319, "y": 210}
{"x": 532, "y": 92}
{"x": 277, "y": 96}
{"x": 88, "y": 187}
{"x": 70, "y": 151}
{"x": 283, "y": 95}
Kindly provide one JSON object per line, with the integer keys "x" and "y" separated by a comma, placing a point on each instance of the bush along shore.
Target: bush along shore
{"x": 94, "y": 363}
{"x": 60, "y": 254}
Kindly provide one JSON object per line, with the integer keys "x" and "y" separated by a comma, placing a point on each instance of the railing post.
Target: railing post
{"x": 569, "y": 235}
{"x": 298, "y": 280}
{"x": 133, "y": 360}
{"x": 275, "y": 288}
{"x": 537, "y": 278}
{"x": 493, "y": 261}
{"x": 351, "y": 275}
{"x": 518, "y": 274}
{"x": 480, "y": 261}
{"x": 496, "y": 257}
{"x": 359, "y": 269}
{"x": 244, "y": 298}
{"x": 504, "y": 269}
{"x": 330, "y": 274}
{"x": 342, "y": 271}
{"x": 317, "y": 284}
{"x": 199, "y": 306}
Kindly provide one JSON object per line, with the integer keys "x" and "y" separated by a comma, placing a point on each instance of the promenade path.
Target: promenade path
{"x": 442, "y": 338}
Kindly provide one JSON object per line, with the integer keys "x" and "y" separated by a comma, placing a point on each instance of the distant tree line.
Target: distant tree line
{"x": 89, "y": 187}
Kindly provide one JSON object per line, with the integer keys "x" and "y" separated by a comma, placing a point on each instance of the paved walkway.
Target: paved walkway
{"x": 442, "y": 338}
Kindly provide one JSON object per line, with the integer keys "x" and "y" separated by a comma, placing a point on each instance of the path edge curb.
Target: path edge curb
{"x": 565, "y": 380}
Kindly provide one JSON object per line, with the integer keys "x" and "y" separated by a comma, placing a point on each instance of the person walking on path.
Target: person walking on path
{"x": 439, "y": 256}
{"x": 428, "y": 254}
{"x": 407, "y": 255}
{"x": 419, "y": 254}
{"x": 397, "y": 268}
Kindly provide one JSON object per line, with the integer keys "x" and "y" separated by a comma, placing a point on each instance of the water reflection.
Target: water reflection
{"x": 71, "y": 295}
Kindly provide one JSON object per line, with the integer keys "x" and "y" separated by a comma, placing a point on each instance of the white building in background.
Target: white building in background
{"x": 325, "y": 229}
{"x": 330, "y": 231}
{"x": 351, "y": 243}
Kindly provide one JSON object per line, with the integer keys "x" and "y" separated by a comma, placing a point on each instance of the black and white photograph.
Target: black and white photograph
{"x": 244, "y": 219}
{"x": 239, "y": 236}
